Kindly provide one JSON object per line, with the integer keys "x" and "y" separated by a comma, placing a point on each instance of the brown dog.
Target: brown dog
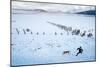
{"x": 66, "y": 52}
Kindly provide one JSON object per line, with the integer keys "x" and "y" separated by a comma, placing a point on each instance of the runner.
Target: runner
{"x": 80, "y": 51}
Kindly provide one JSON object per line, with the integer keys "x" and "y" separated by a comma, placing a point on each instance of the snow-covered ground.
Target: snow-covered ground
{"x": 39, "y": 48}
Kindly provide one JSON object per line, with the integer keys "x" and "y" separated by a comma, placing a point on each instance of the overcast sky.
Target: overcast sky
{"x": 49, "y": 6}
{"x": 88, "y": 2}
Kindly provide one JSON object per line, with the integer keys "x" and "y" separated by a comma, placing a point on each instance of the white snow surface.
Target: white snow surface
{"x": 43, "y": 49}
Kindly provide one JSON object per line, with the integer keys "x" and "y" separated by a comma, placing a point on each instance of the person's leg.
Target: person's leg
{"x": 77, "y": 54}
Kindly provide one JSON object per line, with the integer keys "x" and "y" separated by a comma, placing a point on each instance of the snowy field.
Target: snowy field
{"x": 40, "y": 44}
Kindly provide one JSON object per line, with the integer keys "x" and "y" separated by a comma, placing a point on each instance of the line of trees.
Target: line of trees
{"x": 73, "y": 32}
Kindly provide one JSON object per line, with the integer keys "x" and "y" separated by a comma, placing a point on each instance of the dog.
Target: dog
{"x": 66, "y": 52}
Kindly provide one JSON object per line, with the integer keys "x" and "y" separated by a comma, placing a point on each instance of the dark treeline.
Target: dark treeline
{"x": 90, "y": 12}
{"x": 62, "y": 27}
{"x": 77, "y": 32}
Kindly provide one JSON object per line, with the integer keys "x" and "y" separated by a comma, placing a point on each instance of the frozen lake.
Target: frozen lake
{"x": 40, "y": 44}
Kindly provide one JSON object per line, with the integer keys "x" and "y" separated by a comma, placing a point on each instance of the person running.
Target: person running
{"x": 80, "y": 51}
